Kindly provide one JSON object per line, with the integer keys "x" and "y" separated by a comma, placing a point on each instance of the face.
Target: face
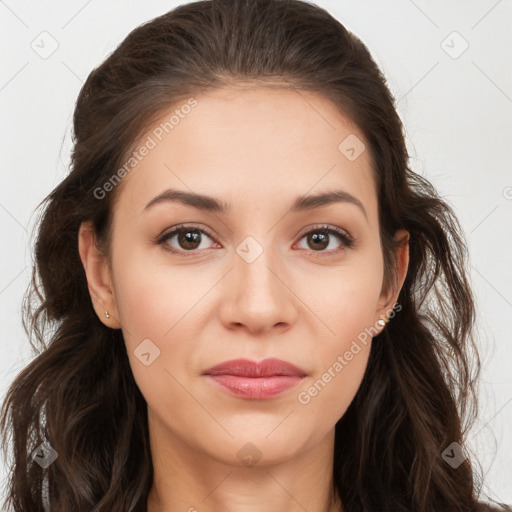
{"x": 250, "y": 274}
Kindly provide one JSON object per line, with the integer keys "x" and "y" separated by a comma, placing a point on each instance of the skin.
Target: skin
{"x": 258, "y": 149}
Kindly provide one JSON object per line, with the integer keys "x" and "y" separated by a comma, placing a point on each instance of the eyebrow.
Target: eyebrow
{"x": 212, "y": 204}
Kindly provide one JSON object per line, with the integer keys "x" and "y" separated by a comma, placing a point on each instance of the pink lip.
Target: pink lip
{"x": 252, "y": 380}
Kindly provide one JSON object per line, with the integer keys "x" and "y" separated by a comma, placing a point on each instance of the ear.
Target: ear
{"x": 388, "y": 298}
{"x": 99, "y": 279}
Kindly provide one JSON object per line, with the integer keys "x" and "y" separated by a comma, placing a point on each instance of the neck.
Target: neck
{"x": 187, "y": 479}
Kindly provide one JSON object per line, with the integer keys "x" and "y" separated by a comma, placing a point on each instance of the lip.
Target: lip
{"x": 251, "y": 380}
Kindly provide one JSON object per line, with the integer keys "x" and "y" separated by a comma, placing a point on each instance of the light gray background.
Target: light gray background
{"x": 457, "y": 109}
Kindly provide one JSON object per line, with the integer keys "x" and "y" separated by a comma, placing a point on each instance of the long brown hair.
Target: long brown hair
{"x": 78, "y": 395}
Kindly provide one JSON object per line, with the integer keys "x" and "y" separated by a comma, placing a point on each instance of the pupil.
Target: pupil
{"x": 320, "y": 240}
{"x": 189, "y": 237}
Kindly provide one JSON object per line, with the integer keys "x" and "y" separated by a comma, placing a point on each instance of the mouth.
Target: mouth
{"x": 256, "y": 381}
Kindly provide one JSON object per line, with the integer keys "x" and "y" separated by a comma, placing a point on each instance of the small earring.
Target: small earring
{"x": 381, "y": 322}
{"x": 107, "y": 314}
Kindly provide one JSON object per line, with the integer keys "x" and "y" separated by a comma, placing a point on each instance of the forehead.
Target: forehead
{"x": 258, "y": 144}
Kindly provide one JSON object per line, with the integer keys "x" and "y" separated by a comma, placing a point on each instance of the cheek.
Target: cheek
{"x": 348, "y": 299}
{"x": 327, "y": 395}
{"x": 341, "y": 357}
{"x": 347, "y": 307}
{"x": 151, "y": 297}
{"x": 155, "y": 307}
{"x": 164, "y": 304}
{"x": 143, "y": 303}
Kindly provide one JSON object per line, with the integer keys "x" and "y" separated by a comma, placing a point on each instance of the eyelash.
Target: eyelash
{"x": 343, "y": 236}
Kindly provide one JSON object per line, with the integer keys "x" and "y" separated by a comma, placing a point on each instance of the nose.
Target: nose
{"x": 257, "y": 296}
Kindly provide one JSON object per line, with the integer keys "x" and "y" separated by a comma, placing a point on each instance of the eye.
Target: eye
{"x": 322, "y": 237}
{"x": 188, "y": 239}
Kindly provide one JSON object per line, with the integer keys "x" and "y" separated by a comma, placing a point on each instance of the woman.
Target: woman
{"x": 254, "y": 304}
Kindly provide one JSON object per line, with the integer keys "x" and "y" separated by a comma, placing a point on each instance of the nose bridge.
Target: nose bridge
{"x": 256, "y": 265}
{"x": 260, "y": 298}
